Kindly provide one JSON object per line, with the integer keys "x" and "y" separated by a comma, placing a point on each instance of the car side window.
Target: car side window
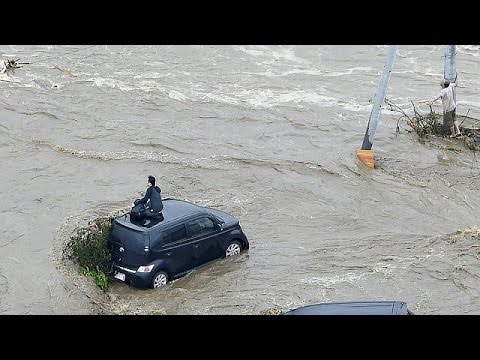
{"x": 175, "y": 233}
{"x": 155, "y": 238}
{"x": 207, "y": 224}
{"x": 199, "y": 226}
{"x": 193, "y": 228}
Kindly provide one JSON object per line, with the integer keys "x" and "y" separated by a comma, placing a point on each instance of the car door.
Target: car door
{"x": 204, "y": 237}
{"x": 175, "y": 250}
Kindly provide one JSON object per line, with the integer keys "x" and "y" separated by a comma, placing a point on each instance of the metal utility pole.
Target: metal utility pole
{"x": 366, "y": 154}
{"x": 450, "y": 68}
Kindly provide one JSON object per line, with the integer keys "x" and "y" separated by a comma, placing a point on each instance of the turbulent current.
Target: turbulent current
{"x": 266, "y": 133}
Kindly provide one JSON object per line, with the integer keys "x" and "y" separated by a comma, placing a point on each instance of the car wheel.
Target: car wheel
{"x": 160, "y": 279}
{"x": 233, "y": 248}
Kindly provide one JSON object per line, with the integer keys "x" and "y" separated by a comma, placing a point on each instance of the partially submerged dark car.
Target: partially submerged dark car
{"x": 149, "y": 253}
{"x": 354, "y": 308}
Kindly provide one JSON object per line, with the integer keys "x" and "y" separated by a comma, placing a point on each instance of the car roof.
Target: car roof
{"x": 172, "y": 209}
{"x": 354, "y": 308}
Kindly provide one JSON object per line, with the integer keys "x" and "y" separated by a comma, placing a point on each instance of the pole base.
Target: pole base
{"x": 366, "y": 157}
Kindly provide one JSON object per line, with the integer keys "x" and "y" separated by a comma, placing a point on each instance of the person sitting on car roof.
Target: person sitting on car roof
{"x": 151, "y": 205}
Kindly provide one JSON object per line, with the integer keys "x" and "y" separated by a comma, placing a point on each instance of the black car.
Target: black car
{"x": 152, "y": 252}
{"x": 354, "y": 308}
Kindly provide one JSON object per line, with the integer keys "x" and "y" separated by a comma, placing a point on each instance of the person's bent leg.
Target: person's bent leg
{"x": 445, "y": 126}
{"x": 153, "y": 215}
{"x": 138, "y": 212}
{"x": 448, "y": 118}
{"x": 457, "y": 128}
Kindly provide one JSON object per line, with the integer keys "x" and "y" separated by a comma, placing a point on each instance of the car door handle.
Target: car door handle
{"x": 168, "y": 253}
{"x": 195, "y": 246}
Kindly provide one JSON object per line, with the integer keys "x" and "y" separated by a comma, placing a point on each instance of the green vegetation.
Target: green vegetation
{"x": 101, "y": 279}
{"x": 88, "y": 248}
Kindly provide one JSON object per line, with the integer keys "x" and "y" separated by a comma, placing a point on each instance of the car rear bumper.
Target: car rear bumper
{"x": 132, "y": 277}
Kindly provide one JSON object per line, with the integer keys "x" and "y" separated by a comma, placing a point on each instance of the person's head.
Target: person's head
{"x": 151, "y": 180}
{"x": 444, "y": 83}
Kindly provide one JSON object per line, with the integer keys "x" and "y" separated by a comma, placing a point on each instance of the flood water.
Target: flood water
{"x": 267, "y": 133}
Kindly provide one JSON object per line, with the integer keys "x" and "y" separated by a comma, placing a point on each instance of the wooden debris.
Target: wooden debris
{"x": 10, "y": 65}
{"x": 66, "y": 71}
{"x": 431, "y": 123}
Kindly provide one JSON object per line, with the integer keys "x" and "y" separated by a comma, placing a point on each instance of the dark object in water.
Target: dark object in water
{"x": 354, "y": 308}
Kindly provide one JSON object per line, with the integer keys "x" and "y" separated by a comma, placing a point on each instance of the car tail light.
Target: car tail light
{"x": 145, "y": 269}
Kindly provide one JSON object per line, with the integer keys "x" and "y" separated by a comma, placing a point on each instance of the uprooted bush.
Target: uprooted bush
{"x": 88, "y": 249}
{"x": 431, "y": 123}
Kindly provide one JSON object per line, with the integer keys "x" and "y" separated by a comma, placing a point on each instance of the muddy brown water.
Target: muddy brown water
{"x": 267, "y": 133}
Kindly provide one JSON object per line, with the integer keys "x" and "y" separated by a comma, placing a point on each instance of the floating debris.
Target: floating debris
{"x": 64, "y": 70}
{"x": 431, "y": 123}
{"x": 10, "y": 65}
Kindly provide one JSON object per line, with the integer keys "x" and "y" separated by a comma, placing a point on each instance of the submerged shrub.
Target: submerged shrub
{"x": 101, "y": 279}
{"x": 88, "y": 248}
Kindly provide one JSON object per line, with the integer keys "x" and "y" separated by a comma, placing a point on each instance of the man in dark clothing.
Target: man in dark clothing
{"x": 150, "y": 206}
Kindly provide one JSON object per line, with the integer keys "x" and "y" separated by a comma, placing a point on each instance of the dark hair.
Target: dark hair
{"x": 151, "y": 180}
{"x": 446, "y": 83}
